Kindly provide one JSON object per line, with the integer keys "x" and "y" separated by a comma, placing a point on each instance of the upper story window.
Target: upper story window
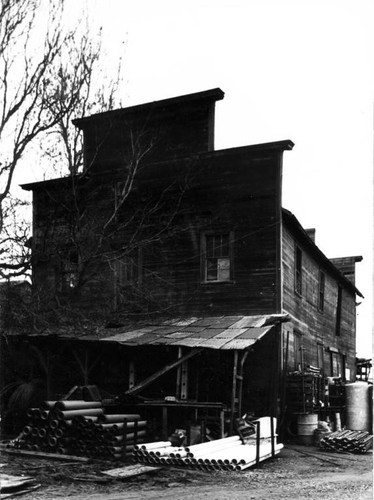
{"x": 69, "y": 276}
{"x": 321, "y": 291}
{"x": 128, "y": 268}
{"x": 298, "y": 270}
{"x": 338, "y": 311}
{"x": 217, "y": 260}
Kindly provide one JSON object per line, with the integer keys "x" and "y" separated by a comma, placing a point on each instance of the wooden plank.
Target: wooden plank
{"x": 233, "y": 395}
{"x": 9, "y": 482}
{"x": 144, "y": 383}
{"x": 41, "y": 454}
{"x": 20, "y": 492}
{"x": 130, "y": 471}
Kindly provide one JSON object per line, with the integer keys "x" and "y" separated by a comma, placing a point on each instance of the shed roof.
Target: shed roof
{"x": 223, "y": 332}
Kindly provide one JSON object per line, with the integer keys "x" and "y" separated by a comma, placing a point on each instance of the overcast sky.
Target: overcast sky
{"x": 290, "y": 69}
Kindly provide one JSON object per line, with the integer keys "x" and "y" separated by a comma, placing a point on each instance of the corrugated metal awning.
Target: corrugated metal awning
{"x": 224, "y": 332}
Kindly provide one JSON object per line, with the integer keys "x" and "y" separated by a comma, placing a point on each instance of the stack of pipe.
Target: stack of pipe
{"x": 222, "y": 454}
{"x": 352, "y": 441}
{"x": 81, "y": 428}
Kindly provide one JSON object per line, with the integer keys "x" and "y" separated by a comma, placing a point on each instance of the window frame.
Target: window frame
{"x": 321, "y": 290}
{"x": 297, "y": 350}
{"x": 69, "y": 271}
{"x": 321, "y": 357}
{"x": 298, "y": 270}
{"x": 337, "y": 364}
{"x": 204, "y": 256}
{"x": 338, "y": 317}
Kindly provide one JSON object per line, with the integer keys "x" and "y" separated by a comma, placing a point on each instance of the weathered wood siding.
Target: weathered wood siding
{"x": 229, "y": 191}
{"x": 313, "y": 325}
{"x": 225, "y": 191}
{"x": 115, "y": 140}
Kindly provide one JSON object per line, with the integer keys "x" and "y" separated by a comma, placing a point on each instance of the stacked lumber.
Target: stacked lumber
{"x": 228, "y": 454}
{"x": 346, "y": 440}
{"x": 80, "y": 428}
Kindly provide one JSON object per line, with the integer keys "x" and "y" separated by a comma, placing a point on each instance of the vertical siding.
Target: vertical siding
{"x": 314, "y": 325}
{"x": 231, "y": 191}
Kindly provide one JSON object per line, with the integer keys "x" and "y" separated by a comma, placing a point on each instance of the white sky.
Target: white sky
{"x": 290, "y": 69}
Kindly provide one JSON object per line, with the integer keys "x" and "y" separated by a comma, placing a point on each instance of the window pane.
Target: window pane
{"x": 210, "y": 246}
{"x": 223, "y": 269}
{"x": 211, "y": 269}
{"x": 225, "y": 246}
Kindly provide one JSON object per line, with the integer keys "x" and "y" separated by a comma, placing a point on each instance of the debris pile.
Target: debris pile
{"x": 352, "y": 441}
{"x": 222, "y": 454}
{"x": 11, "y": 485}
{"x": 80, "y": 428}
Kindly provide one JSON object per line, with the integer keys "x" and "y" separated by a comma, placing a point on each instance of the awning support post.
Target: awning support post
{"x": 233, "y": 395}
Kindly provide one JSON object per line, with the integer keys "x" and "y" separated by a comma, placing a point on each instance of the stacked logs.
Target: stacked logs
{"x": 81, "y": 428}
{"x": 351, "y": 441}
{"x": 228, "y": 454}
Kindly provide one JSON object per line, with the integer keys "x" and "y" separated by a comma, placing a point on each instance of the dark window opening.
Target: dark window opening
{"x": 339, "y": 312}
{"x": 128, "y": 268}
{"x": 321, "y": 291}
{"x": 69, "y": 271}
{"x": 298, "y": 270}
{"x": 337, "y": 365}
{"x": 298, "y": 351}
{"x": 320, "y": 357}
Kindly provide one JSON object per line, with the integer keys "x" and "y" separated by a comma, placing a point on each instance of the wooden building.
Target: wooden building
{"x": 183, "y": 257}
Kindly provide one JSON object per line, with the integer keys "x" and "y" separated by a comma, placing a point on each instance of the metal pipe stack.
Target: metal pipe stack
{"x": 228, "y": 454}
{"x": 81, "y": 428}
{"x": 351, "y": 441}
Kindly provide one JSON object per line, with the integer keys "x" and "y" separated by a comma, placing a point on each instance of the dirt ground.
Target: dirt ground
{"x": 298, "y": 472}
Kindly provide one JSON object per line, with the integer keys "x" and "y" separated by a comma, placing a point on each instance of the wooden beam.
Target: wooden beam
{"x": 184, "y": 380}
{"x": 179, "y": 381}
{"x": 131, "y": 374}
{"x": 42, "y": 454}
{"x": 144, "y": 383}
{"x": 240, "y": 378}
{"x": 233, "y": 395}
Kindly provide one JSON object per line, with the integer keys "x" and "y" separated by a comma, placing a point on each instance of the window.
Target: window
{"x": 337, "y": 364}
{"x": 338, "y": 312}
{"x": 69, "y": 271}
{"x": 321, "y": 291}
{"x": 127, "y": 274}
{"x": 320, "y": 357}
{"x": 128, "y": 268}
{"x": 297, "y": 351}
{"x": 298, "y": 270}
{"x": 217, "y": 257}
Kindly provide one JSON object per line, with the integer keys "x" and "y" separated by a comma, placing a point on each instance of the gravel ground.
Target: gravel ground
{"x": 298, "y": 472}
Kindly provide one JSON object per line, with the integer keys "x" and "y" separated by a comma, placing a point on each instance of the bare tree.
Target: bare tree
{"x": 48, "y": 76}
{"x": 25, "y": 66}
{"x": 25, "y": 70}
{"x": 80, "y": 87}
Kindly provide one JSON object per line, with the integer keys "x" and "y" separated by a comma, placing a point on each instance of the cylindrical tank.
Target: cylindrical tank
{"x": 307, "y": 423}
{"x": 357, "y": 406}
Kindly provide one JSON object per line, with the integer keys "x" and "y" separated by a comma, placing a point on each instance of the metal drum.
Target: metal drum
{"x": 306, "y": 425}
